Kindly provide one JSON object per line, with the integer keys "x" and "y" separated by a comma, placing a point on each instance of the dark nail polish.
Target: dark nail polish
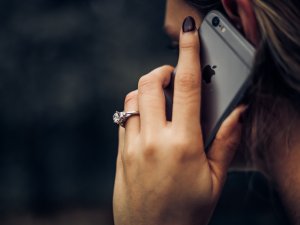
{"x": 188, "y": 24}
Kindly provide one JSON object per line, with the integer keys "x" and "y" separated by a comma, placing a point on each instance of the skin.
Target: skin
{"x": 161, "y": 179}
{"x": 152, "y": 171}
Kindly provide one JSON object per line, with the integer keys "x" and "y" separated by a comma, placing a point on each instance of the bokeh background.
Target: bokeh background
{"x": 65, "y": 67}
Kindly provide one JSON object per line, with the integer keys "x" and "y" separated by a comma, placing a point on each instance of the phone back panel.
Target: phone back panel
{"x": 226, "y": 61}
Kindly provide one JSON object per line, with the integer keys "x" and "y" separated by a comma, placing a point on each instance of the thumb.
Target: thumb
{"x": 226, "y": 142}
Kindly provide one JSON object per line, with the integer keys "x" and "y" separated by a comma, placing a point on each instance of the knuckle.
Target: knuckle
{"x": 145, "y": 83}
{"x": 132, "y": 96}
{"x": 186, "y": 149}
{"x": 166, "y": 68}
{"x": 119, "y": 162}
{"x": 150, "y": 147}
{"x": 181, "y": 141}
{"x": 181, "y": 145}
{"x": 149, "y": 152}
{"x": 162, "y": 69}
{"x": 189, "y": 44}
{"x": 127, "y": 156}
{"x": 188, "y": 80}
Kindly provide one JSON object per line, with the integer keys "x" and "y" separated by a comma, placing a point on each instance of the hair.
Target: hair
{"x": 273, "y": 98}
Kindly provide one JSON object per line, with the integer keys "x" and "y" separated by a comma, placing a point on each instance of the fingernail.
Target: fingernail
{"x": 188, "y": 24}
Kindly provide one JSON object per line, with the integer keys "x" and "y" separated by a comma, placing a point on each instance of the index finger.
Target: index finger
{"x": 187, "y": 85}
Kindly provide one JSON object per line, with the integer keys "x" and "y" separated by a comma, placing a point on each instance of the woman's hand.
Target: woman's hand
{"x": 163, "y": 174}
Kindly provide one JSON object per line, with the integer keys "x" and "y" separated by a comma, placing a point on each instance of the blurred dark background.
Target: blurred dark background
{"x": 65, "y": 67}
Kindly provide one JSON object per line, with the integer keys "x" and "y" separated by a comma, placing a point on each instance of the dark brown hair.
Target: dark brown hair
{"x": 274, "y": 95}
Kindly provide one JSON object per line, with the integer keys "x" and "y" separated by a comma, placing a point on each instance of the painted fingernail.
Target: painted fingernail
{"x": 188, "y": 24}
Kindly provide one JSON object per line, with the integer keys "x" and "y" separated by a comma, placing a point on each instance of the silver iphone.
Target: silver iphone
{"x": 226, "y": 60}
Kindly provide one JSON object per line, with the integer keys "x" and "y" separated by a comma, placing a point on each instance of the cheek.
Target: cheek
{"x": 176, "y": 11}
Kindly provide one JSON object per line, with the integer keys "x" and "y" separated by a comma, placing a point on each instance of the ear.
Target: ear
{"x": 242, "y": 15}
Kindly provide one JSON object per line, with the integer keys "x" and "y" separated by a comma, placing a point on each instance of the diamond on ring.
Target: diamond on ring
{"x": 120, "y": 118}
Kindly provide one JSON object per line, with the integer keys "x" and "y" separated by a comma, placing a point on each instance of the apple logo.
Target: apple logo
{"x": 208, "y": 72}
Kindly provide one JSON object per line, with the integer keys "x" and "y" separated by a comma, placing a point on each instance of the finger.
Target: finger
{"x": 132, "y": 125}
{"x": 187, "y": 87}
{"x": 121, "y": 138}
{"x": 152, "y": 99}
{"x": 226, "y": 142}
{"x": 121, "y": 145}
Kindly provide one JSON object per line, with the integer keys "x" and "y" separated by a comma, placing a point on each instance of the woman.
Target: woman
{"x": 163, "y": 174}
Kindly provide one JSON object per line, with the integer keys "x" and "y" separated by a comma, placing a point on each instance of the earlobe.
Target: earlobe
{"x": 242, "y": 15}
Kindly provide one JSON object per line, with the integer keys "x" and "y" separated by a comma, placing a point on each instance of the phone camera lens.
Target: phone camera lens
{"x": 215, "y": 21}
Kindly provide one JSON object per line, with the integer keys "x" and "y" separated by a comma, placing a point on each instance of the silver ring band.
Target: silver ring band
{"x": 120, "y": 118}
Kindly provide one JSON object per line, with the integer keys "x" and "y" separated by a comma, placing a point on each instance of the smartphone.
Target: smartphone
{"x": 226, "y": 61}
